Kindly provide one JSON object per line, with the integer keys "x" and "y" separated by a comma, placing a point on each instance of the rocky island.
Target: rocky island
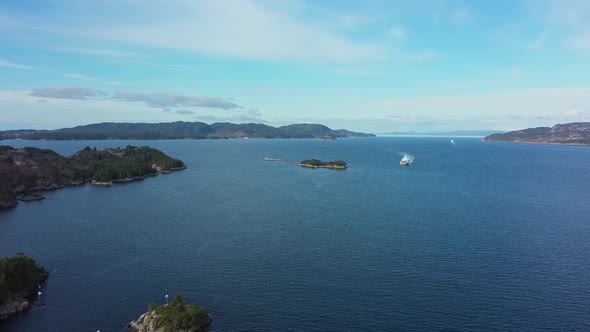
{"x": 314, "y": 163}
{"x": 175, "y": 316}
{"x": 20, "y": 278}
{"x": 27, "y": 171}
{"x": 576, "y": 133}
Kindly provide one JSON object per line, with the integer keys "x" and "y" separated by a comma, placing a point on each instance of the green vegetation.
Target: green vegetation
{"x": 569, "y": 133}
{"x": 177, "y": 316}
{"x": 29, "y": 169}
{"x": 19, "y": 275}
{"x": 315, "y": 163}
{"x": 181, "y": 130}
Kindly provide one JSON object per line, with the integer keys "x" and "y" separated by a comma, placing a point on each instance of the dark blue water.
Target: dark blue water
{"x": 477, "y": 236}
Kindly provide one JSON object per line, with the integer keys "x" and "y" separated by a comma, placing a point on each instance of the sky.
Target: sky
{"x": 373, "y": 65}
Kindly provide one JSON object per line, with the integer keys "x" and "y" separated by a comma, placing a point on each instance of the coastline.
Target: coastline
{"x": 20, "y": 302}
{"x": 327, "y": 166}
{"x": 540, "y": 143}
{"x": 37, "y": 197}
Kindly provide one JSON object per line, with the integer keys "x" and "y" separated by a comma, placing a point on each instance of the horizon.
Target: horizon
{"x": 376, "y": 67}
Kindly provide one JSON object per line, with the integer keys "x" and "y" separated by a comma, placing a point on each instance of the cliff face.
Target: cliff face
{"x": 577, "y": 133}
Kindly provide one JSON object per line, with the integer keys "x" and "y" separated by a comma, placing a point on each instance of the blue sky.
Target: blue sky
{"x": 376, "y": 66}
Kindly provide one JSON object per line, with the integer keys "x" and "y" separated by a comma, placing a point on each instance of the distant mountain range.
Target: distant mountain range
{"x": 445, "y": 133}
{"x": 577, "y": 133}
{"x": 181, "y": 130}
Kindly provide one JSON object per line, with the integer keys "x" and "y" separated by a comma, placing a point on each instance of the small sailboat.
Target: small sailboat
{"x": 406, "y": 161}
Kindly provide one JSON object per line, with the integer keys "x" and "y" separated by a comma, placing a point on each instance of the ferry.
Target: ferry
{"x": 406, "y": 161}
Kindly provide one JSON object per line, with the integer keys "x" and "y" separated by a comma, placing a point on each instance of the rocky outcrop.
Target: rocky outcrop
{"x": 20, "y": 302}
{"x": 145, "y": 323}
{"x": 14, "y": 306}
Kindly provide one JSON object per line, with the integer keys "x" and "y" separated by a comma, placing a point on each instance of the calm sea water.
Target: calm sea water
{"x": 474, "y": 236}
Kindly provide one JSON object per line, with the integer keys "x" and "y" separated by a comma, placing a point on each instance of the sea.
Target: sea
{"x": 472, "y": 236}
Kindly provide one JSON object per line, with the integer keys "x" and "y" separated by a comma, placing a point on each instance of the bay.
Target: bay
{"x": 472, "y": 236}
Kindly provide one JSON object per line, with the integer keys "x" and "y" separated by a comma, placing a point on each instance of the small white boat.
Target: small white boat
{"x": 452, "y": 141}
{"x": 406, "y": 161}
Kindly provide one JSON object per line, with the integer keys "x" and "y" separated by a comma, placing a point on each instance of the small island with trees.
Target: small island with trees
{"x": 175, "y": 316}
{"x": 20, "y": 278}
{"x": 26, "y": 171}
{"x": 315, "y": 163}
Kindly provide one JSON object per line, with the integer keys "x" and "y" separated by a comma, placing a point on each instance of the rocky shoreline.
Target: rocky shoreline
{"x": 31, "y": 198}
{"x": 145, "y": 323}
{"x": 326, "y": 166}
{"x": 26, "y": 197}
{"x": 20, "y": 302}
{"x": 137, "y": 178}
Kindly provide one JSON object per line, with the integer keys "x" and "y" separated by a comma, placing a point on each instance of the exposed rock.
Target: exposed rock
{"x": 145, "y": 323}
{"x": 20, "y": 300}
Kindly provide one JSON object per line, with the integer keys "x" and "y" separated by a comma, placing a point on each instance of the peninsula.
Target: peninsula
{"x": 576, "y": 133}
{"x": 181, "y": 130}
{"x": 175, "y": 316}
{"x": 20, "y": 278}
{"x": 26, "y": 171}
{"x": 314, "y": 163}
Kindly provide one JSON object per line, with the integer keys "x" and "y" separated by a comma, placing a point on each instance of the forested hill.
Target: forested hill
{"x": 570, "y": 133}
{"x": 29, "y": 170}
{"x": 181, "y": 130}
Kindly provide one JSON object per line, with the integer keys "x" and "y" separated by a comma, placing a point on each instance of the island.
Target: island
{"x": 575, "y": 133}
{"x": 175, "y": 316}
{"x": 314, "y": 163}
{"x": 20, "y": 279}
{"x": 26, "y": 171}
{"x": 181, "y": 130}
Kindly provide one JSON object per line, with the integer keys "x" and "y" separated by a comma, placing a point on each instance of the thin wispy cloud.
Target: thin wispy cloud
{"x": 79, "y": 76}
{"x": 4, "y": 63}
{"x": 66, "y": 93}
{"x": 253, "y": 30}
{"x": 98, "y": 52}
{"x": 170, "y": 100}
{"x": 568, "y": 22}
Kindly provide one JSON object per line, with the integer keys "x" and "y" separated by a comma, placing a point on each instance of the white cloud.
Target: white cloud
{"x": 234, "y": 28}
{"x": 79, "y": 76}
{"x": 4, "y": 63}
